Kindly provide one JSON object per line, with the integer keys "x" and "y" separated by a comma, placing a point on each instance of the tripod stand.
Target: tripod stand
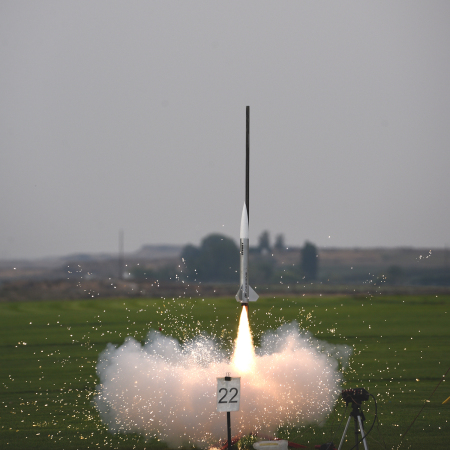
{"x": 358, "y": 418}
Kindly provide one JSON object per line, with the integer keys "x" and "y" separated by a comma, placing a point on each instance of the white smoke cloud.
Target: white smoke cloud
{"x": 169, "y": 389}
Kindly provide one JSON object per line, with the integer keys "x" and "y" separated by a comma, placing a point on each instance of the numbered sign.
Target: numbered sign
{"x": 228, "y": 394}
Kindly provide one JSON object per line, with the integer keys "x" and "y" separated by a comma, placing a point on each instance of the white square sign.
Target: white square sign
{"x": 228, "y": 394}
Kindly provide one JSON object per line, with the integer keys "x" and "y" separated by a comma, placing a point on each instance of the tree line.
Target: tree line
{"x": 217, "y": 260}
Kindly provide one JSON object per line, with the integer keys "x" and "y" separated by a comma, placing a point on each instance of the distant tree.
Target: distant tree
{"x": 190, "y": 256}
{"x": 309, "y": 261}
{"x": 279, "y": 242}
{"x": 264, "y": 241}
{"x": 217, "y": 259}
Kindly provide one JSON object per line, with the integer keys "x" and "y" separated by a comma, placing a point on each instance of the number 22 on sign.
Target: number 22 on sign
{"x": 228, "y": 394}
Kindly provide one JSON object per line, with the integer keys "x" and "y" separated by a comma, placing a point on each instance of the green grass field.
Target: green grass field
{"x": 49, "y": 352}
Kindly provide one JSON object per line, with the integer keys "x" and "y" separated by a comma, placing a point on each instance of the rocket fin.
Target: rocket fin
{"x": 252, "y": 295}
{"x": 240, "y": 294}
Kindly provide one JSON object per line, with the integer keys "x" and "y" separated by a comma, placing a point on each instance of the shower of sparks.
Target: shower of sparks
{"x": 166, "y": 389}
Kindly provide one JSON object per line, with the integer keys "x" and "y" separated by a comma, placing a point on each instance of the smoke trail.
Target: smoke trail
{"x": 169, "y": 389}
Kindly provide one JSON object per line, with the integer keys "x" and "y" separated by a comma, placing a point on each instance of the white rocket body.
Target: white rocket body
{"x": 245, "y": 292}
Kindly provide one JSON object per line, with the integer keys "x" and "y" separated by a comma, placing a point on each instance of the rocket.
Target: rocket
{"x": 245, "y": 293}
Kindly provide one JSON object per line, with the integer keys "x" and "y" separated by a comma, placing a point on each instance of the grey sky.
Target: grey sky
{"x": 132, "y": 115}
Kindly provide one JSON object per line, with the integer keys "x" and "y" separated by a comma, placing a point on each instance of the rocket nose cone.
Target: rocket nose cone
{"x": 244, "y": 223}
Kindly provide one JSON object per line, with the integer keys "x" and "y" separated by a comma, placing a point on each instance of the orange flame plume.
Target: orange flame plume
{"x": 243, "y": 359}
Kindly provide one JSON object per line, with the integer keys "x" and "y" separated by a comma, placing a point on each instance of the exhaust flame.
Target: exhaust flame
{"x": 243, "y": 360}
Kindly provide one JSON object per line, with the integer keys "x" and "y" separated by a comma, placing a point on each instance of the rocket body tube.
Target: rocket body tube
{"x": 245, "y": 292}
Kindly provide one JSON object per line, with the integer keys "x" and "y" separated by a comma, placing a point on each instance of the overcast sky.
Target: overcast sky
{"x": 131, "y": 115}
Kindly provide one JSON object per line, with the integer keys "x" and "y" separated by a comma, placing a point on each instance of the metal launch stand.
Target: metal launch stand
{"x": 355, "y": 396}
